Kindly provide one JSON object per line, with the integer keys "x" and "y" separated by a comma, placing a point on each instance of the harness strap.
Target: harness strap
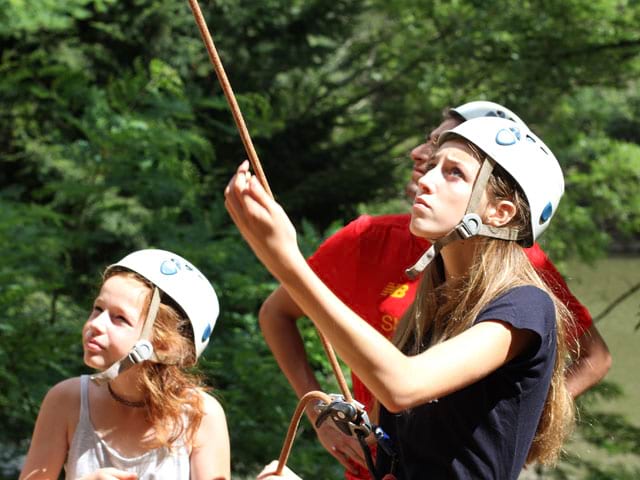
{"x": 368, "y": 458}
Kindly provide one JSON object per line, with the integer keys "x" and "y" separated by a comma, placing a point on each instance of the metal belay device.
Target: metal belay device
{"x": 352, "y": 419}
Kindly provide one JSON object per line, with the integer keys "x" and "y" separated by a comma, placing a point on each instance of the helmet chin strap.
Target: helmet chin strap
{"x": 141, "y": 351}
{"x": 470, "y": 225}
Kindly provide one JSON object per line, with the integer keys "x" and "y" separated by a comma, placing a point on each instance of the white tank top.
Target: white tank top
{"x": 88, "y": 452}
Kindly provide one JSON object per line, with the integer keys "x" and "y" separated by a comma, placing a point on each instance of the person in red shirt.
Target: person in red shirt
{"x": 364, "y": 265}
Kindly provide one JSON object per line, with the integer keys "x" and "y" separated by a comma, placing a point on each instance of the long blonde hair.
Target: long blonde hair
{"x": 442, "y": 310}
{"x": 173, "y": 405}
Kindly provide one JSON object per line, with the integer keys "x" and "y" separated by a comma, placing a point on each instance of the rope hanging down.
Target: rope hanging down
{"x": 257, "y": 168}
{"x": 293, "y": 425}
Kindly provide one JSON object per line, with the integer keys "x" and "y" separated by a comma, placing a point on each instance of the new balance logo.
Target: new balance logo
{"x": 395, "y": 290}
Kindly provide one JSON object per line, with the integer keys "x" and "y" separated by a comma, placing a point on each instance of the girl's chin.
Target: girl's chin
{"x": 96, "y": 364}
{"x": 426, "y": 229}
{"x": 421, "y": 231}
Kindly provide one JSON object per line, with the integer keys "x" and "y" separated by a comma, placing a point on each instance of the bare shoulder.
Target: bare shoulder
{"x": 214, "y": 421}
{"x": 211, "y": 405}
{"x": 53, "y": 431}
{"x": 210, "y": 455}
{"x": 67, "y": 393}
{"x": 62, "y": 403}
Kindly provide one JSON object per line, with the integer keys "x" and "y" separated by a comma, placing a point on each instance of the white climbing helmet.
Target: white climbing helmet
{"x": 184, "y": 283}
{"x": 526, "y": 158}
{"x": 483, "y": 108}
{"x": 188, "y": 288}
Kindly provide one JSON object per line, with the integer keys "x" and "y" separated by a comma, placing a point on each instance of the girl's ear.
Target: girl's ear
{"x": 499, "y": 214}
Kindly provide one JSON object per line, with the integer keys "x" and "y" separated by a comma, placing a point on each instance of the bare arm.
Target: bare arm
{"x": 49, "y": 443}
{"x": 210, "y": 456}
{"x": 591, "y": 364}
{"x": 397, "y": 380}
{"x": 278, "y": 320}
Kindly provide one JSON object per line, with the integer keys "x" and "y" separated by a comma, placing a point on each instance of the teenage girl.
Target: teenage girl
{"x": 146, "y": 414}
{"x": 473, "y": 384}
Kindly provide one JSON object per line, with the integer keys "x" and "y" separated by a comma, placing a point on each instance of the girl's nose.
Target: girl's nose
{"x": 99, "y": 322}
{"x": 428, "y": 181}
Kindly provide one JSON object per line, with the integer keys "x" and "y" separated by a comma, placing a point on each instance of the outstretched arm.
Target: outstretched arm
{"x": 397, "y": 380}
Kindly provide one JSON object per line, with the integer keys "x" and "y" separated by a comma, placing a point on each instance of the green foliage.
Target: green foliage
{"x": 40, "y": 328}
{"x": 598, "y": 147}
{"x": 114, "y": 135}
{"x": 610, "y": 433}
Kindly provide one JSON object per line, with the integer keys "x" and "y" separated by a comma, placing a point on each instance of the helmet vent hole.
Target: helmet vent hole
{"x": 506, "y": 137}
{"x": 207, "y": 333}
{"x": 168, "y": 267}
{"x": 546, "y": 213}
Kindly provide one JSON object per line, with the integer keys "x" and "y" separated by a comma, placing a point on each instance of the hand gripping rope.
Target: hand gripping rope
{"x": 347, "y": 414}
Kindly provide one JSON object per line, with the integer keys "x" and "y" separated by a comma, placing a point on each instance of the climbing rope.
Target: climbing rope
{"x": 293, "y": 425}
{"x": 228, "y": 93}
{"x": 257, "y": 168}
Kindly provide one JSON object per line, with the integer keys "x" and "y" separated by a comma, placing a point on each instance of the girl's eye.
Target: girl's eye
{"x": 121, "y": 319}
{"x": 456, "y": 172}
{"x": 97, "y": 309}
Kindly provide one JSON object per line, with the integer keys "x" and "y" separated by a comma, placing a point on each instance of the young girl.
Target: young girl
{"x": 474, "y": 385}
{"x": 145, "y": 416}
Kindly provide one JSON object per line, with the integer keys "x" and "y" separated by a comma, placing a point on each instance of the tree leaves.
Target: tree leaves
{"x": 114, "y": 135}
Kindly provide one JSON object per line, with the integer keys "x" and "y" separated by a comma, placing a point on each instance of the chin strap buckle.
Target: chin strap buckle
{"x": 141, "y": 351}
{"x": 469, "y": 226}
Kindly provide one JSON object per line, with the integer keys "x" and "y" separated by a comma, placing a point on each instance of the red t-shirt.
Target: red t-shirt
{"x": 364, "y": 265}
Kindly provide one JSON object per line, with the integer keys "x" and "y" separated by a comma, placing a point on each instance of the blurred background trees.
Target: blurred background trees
{"x": 114, "y": 135}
